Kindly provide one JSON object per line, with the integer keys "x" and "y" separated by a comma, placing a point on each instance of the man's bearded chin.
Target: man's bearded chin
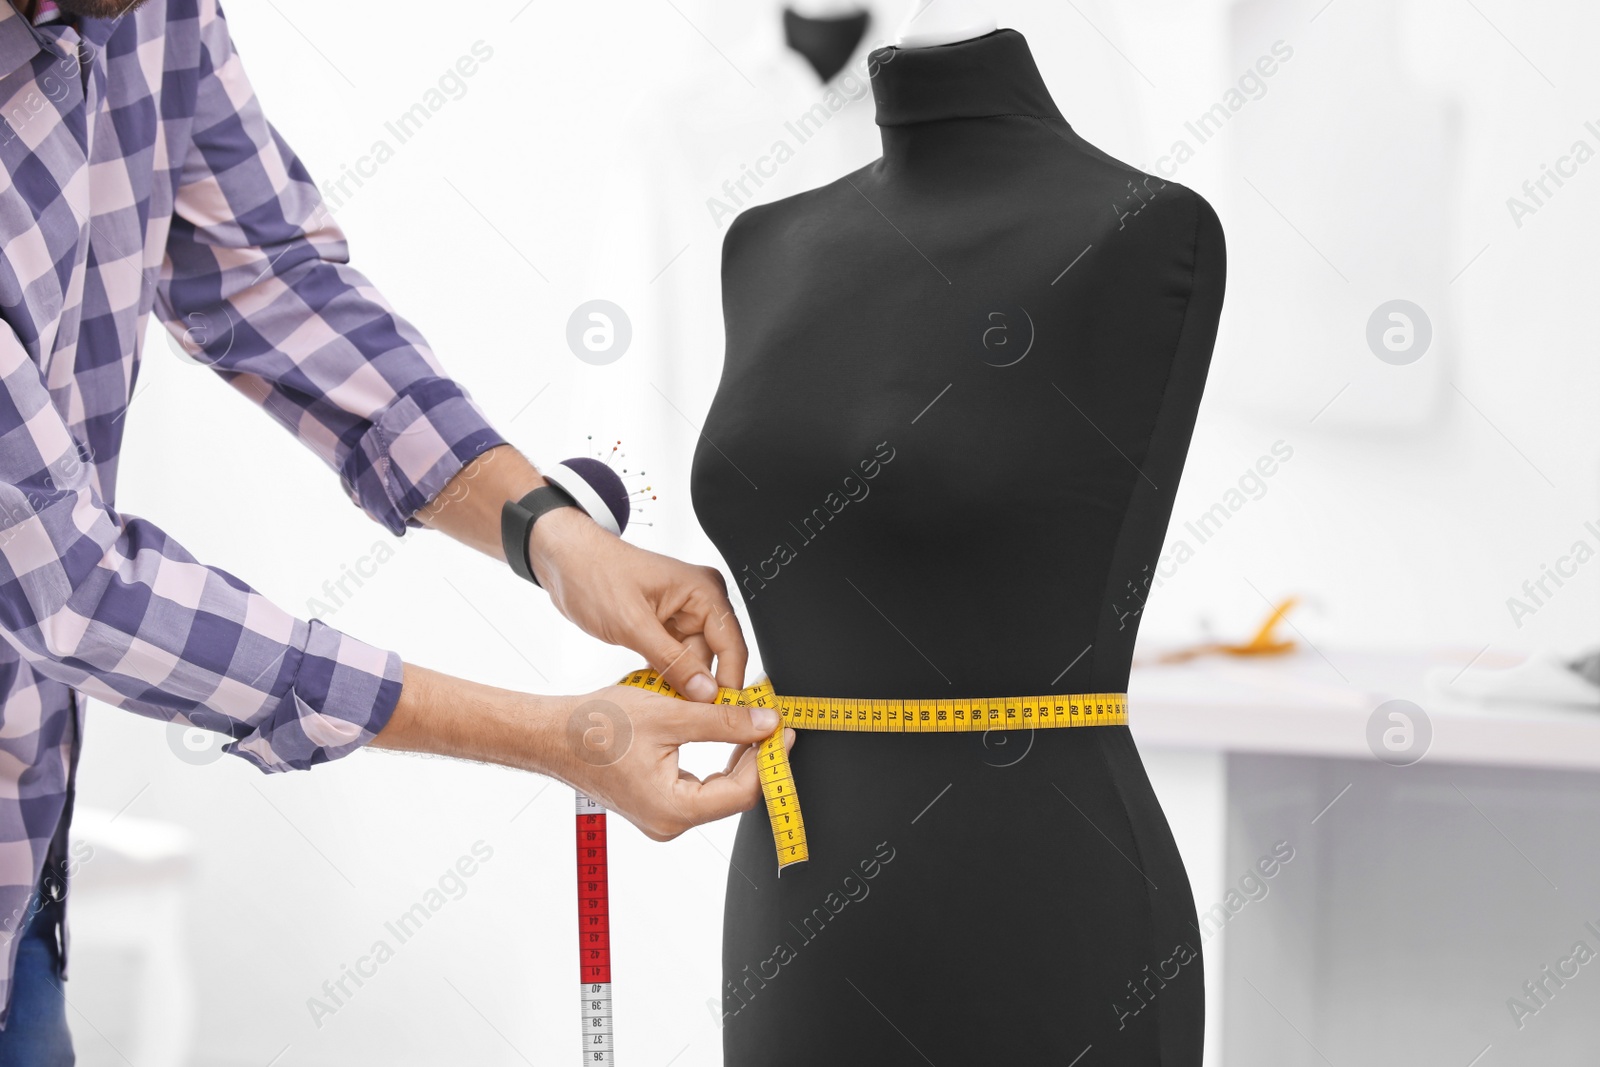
{"x": 98, "y": 9}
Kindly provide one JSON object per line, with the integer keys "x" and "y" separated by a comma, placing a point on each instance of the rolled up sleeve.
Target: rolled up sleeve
{"x": 257, "y": 283}
{"x": 113, "y": 607}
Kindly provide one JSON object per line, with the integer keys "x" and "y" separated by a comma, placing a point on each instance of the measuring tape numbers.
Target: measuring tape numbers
{"x": 594, "y": 934}
{"x": 916, "y": 716}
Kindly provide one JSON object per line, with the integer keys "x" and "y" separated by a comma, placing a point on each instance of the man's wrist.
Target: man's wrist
{"x": 520, "y": 517}
{"x": 470, "y": 507}
{"x": 551, "y": 539}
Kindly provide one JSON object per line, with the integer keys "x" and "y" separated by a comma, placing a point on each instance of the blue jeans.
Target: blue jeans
{"x": 36, "y": 1033}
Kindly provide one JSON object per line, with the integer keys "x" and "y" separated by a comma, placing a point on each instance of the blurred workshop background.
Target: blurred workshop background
{"x": 1399, "y": 432}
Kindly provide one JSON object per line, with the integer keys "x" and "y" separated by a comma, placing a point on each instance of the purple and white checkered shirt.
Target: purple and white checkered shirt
{"x": 139, "y": 173}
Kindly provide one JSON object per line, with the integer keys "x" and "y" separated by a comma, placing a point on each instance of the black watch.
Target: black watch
{"x": 516, "y": 523}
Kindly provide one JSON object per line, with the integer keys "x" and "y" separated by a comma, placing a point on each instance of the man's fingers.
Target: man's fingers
{"x": 676, "y": 661}
{"x": 720, "y": 722}
{"x": 753, "y": 752}
{"x": 699, "y": 650}
{"x": 721, "y": 795}
{"x": 722, "y": 633}
{"x": 706, "y": 615}
{"x": 735, "y": 754}
{"x": 738, "y": 755}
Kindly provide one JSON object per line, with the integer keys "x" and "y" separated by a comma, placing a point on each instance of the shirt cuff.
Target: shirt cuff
{"x": 342, "y": 694}
{"x": 412, "y": 450}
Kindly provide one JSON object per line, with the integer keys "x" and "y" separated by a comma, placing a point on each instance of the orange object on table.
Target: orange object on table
{"x": 1262, "y": 643}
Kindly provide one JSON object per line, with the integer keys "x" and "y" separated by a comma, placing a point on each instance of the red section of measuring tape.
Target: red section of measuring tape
{"x": 594, "y": 900}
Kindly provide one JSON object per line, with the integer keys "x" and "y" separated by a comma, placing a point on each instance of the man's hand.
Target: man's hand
{"x": 675, "y": 615}
{"x": 618, "y": 745}
{"x": 622, "y": 750}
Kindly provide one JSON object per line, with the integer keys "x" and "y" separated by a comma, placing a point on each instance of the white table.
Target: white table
{"x": 1305, "y": 704}
{"x": 1421, "y": 898}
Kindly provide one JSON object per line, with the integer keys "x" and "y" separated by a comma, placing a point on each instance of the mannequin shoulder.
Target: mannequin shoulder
{"x": 1175, "y": 206}
{"x": 748, "y": 226}
{"x": 1136, "y": 194}
{"x": 761, "y": 227}
{"x": 1156, "y": 210}
{"x": 750, "y": 232}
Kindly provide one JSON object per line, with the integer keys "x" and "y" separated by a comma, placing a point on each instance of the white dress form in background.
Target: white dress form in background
{"x": 825, "y": 9}
{"x": 931, "y": 23}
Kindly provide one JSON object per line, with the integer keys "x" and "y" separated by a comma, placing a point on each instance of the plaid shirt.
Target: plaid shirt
{"x": 140, "y": 173}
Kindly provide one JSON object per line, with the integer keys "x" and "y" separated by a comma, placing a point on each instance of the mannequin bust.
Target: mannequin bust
{"x": 934, "y": 22}
{"x": 957, "y": 395}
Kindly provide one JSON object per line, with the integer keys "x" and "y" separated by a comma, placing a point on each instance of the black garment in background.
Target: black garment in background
{"x": 827, "y": 44}
{"x": 1020, "y": 484}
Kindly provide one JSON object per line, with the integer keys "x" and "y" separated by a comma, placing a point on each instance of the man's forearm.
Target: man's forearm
{"x": 468, "y": 507}
{"x": 446, "y": 716}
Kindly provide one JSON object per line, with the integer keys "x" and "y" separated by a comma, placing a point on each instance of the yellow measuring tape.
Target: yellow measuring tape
{"x": 973, "y": 715}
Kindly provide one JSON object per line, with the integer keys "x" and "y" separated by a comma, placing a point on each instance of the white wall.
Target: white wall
{"x": 1412, "y": 508}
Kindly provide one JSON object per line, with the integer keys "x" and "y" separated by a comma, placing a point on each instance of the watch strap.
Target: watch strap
{"x": 516, "y": 524}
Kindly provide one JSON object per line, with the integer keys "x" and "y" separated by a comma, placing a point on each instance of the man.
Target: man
{"x": 140, "y": 173}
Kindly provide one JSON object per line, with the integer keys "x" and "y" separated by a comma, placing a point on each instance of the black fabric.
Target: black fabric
{"x": 826, "y": 44}
{"x": 958, "y": 391}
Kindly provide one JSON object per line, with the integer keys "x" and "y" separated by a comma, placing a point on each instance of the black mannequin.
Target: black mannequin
{"x": 958, "y": 392}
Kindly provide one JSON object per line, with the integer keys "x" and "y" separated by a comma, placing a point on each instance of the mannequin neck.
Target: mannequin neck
{"x": 920, "y": 91}
{"x": 990, "y": 75}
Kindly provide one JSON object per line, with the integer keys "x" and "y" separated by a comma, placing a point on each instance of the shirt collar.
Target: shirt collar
{"x": 21, "y": 40}
{"x": 18, "y": 44}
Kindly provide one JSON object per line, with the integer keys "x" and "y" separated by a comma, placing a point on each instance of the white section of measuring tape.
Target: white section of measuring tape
{"x": 597, "y": 1025}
